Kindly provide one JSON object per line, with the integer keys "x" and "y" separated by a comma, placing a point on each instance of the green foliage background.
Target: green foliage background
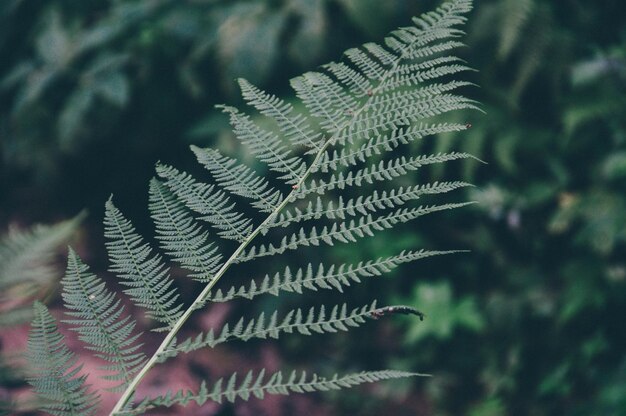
{"x": 94, "y": 92}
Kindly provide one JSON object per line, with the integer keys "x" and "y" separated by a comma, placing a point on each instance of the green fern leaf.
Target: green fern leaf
{"x": 97, "y": 317}
{"x": 378, "y": 145}
{"x": 390, "y": 113}
{"x": 204, "y": 199}
{"x": 325, "y": 100}
{"x": 383, "y": 171}
{"x": 314, "y": 321}
{"x": 367, "y": 66}
{"x": 259, "y": 386}
{"x": 403, "y": 78}
{"x": 344, "y": 232}
{"x": 54, "y": 374}
{"x": 357, "y": 84}
{"x": 266, "y": 146}
{"x": 333, "y": 277}
{"x": 294, "y": 127}
{"x": 377, "y": 201}
{"x": 180, "y": 236}
{"x": 239, "y": 179}
{"x": 150, "y": 285}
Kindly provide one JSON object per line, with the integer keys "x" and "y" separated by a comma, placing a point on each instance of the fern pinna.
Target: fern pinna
{"x": 359, "y": 114}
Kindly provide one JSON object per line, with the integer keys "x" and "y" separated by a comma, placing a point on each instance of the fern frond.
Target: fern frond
{"x": 385, "y": 57}
{"x": 295, "y": 320}
{"x": 149, "y": 282}
{"x": 409, "y": 79}
{"x": 294, "y": 127}
{"x": 239, "y": 179}
{"x": 407, "y": 68}
{"x": 383, "y": 171}
{"x": 334, "y": 277}
{"x": 369, "y": 67}
{"x": 325, "y": 99}
{"x": 54, "y": 374}
{"x": 365, "y": 107}
{"x": 392, "y": 114}
{"x": 204, "y": 199}
{"x": 344, "y": 232}
{"x": 266, "y": 146}
{"x": 404, "y": 97}
{"x": 332, "y": 160}
{"x": 434, "y": 49}
{"x": 353, "y": 80}
{"x": 97, "y": 317}
{"x": 258, "y": 386}
{"x": 180, "y": 236}
{"x": 394, "y": 100}
{"x": 372, "y": 203}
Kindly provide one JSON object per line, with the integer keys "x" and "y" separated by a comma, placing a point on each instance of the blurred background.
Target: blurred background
{"x": 531, "y": 322}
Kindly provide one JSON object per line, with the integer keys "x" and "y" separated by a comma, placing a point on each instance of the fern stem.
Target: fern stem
{"x": 200, "y": 300}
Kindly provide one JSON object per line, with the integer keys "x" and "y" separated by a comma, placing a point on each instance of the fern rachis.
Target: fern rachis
{"x": 368, "y": 106}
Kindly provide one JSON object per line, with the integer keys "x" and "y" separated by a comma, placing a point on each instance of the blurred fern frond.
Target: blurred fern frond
{"x": 27, "y": 264}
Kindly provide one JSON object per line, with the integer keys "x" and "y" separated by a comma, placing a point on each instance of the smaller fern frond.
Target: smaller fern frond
{"x": 149, "y": 282}
{"x": 54, "y": 374}
{"x": 97, "y": 317}
{"x": 374, "y": 202}
{"x": 259, "y": 386}
{"x": 345, "y": 231}
{"x": 385, "y": 170}
{"x": 204, "y": 199}
{"x": 266, "y": 146}
{"x": 334, "y": 277}
{"x": 313, "y": 321}
{"x": 28, "y": 266}
{"x": 385, "y": 57}
{"x": 324, "y": 99}
{"x": 239, "y": 179}
{"x": 366, "y": 64}
{"x": 27, "y": 255}
{"x": 294, "y": 127}
{"x": 180, "y": 236}
{"x": 353, "y": 80}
